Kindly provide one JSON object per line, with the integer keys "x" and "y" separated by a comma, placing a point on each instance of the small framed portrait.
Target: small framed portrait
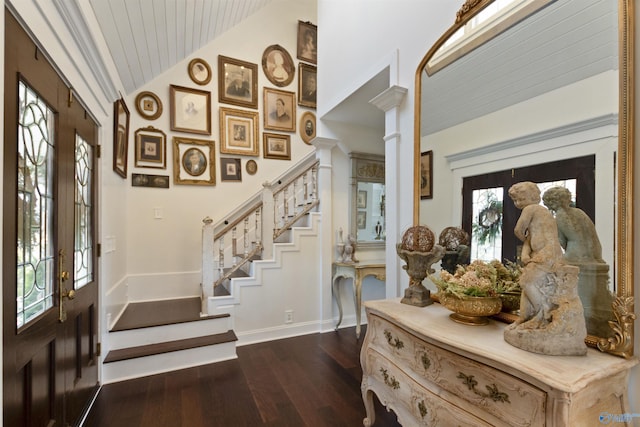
{"x": 193, "y": 161}
{"x": 199, "y": 71}
{"x": 239, "y": 132}
{"x": 276, "y": 146}
{"x": 237, "y": 82}
{"x": 362, "y": 220}
{"x": 120, "y": 137}
{"x": 278, "y": 65}
{"x": 426, "y": 175}
{"x": 308, "y": 127}
{"x": 307, "y": 42}
{"x": 251, "y": 167}
{"x": 190, "y": 110}
{"x": 279, "y": 110}
{"x": 153, "y": 181}
{"x": 150, "y": 148}
{"x": 362, "y": 199}
{"x": 307, "y": 85}
{"x": 230, "y": 169}
{"x": 148, "y": 105}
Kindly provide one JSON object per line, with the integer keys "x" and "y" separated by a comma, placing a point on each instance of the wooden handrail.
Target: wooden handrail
{"x": 229, "y": 227}
{"x": 288, "y": 182}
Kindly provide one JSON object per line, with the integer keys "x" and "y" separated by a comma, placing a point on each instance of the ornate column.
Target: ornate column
{"x": 389, "y": 101}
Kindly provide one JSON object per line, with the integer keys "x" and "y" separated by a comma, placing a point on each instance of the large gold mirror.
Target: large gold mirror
{"x": 551, "y": 81}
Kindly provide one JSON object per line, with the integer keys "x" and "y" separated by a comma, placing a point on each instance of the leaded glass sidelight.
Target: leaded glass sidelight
{"x": 35, "y": 227}
{"x": 83, "y": 229}
{"x": 486, "y": 238}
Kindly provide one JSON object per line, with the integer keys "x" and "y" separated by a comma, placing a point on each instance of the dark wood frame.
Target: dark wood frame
{"x": 288, "y": 65}
{"x": 150, "y": 181}
{"x": 121, "y": 117}
{"x": 305, "y": 28}
{"x": 270, "y": 154}
{"x": 304, "y": 71}
{"x": 192, "y": 73}
{"x": 224, "y": 162}
{"x": 154, "y": 136}
{"x": 426, "y": 162}
{"x": 148, "y": 105}
{"x": 270, "y": 97}
{"x": 180, "y": 91}
{"x": 226, "y": 67}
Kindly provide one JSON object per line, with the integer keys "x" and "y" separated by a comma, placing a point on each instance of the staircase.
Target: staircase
{"x": 163, "y": 335}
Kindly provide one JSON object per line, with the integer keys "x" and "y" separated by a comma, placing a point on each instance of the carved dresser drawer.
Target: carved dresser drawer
{"x": 432, "y": 371}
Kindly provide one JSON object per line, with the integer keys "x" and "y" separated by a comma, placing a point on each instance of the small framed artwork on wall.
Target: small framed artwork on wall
{"x": 279, "y": 110}
{"x": 237, "y": 82}
{"x": 307, "y": 42}
{"x": 307, "y": 85}
{"x": 426, "y": 175}
{"x": 190, "y": 110}
{"x": 150, "y": 148}
{"x": 278, "y": 65}
{"x": 148, "y": 105}
{"x": 276, "y": 146}
{"x": 308, "y": 127}
{"x": 230, "y": 169}
{"x": 239, "y": 132}
{"x": 120, "y": 137}
{"x": 199, "y": 71}
{"x": 193, "y": 161}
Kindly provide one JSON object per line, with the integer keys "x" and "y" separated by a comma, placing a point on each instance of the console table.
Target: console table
{"x": 356, "y": 272}
{"x": 431, "y": 370}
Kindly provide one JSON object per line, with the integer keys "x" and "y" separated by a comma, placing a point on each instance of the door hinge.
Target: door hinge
{"x": 98, "y": 349}
{"x": 99, "y": 151}
{"x": 99, "y": 250}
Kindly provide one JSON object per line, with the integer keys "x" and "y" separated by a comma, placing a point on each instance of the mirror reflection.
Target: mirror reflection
{"x": 533, "y": 96}
{"x": 368, "y": 199}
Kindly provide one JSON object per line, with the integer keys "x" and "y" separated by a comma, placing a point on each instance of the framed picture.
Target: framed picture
{"x": 279, "y": 110}
{"x": 148, "y": 105}
{"x": 230, "y": 169}
{"x": 307, "y": 42}
{"x": 426, "y": 175}
{"x": 150, "y": 148}
{"x": 190, "y": 110}
{"x": 276, "y": 146}
{"x": 154, "y": 181}
{"x": 362, "y": 199}
{"x": 120, "y": 137}
{"x": 199, "y": 71}
{"x": 239, "y": 132}
{"x": 278, "y": 65}
{"x": 251, "y": 167}
{"x": 237, "y": 82}
{"x": 307, "y": 85}
{"x": 193, "y": 161}
{"x": 308, "y": 127}
{"x": 362, "y": 220}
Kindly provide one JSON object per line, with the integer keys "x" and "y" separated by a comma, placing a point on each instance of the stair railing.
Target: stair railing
{"x": 294, "y": 199}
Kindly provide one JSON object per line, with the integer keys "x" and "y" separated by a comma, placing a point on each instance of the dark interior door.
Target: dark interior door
{"x": 50, "y": 298}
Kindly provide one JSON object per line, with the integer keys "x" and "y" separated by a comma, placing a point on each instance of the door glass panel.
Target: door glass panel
{"x": 35, "y": 228}
{"x": 486, "y": 239}
{"x": 83, "y": 256}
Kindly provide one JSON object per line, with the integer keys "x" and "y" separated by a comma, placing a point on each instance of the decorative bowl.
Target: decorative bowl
{"x": 510, "y": 301}
{"x": 471, "y": 310}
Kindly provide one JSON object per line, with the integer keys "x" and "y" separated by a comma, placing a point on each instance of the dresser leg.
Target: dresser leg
{"x": 367, "y": 398}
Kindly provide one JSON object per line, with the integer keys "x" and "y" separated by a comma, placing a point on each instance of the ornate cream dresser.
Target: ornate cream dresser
{"x": 433, "y": 371}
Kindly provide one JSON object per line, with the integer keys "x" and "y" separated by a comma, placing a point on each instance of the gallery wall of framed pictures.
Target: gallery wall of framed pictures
{"x": 259, "y": 101}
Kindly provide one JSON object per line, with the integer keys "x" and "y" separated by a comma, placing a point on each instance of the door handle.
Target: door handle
{"x": 63, "y": 293}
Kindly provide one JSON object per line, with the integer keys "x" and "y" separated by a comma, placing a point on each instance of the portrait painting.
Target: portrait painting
{"x": 307, "y": 42}
{"x": 150, "y": 150}
{"x": 362, "y": 199}
{"x": 230, "y": 169}
{"x": 426, "y": 175}
{"x": 278, "y": 65}
{"x": 199, "y": 71}
{"x": 239, "y": 132}
{"x": 308, "y": 127}
{"x": 362, "y": 220}
{"x": 276, "y": 146}
{"x": 190, "y": 110}
{"x": 120, "y": 137}
{"x": 193, "y": 161}
{"x": 307, "y": 83}
{"x": 237, "y": 82}
{"x": 280, "y": 110}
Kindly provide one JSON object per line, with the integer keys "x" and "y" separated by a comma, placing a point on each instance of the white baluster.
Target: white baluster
{"x": 258, "y": 228}
{"x": 246, "y": 237}
{"x": 233, "y": 246}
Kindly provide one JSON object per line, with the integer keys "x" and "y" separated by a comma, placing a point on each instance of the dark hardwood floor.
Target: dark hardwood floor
{"x": 312, "y": 380}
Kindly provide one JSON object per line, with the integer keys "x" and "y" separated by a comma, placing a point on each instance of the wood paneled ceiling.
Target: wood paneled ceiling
{"x": 147, "y": 37}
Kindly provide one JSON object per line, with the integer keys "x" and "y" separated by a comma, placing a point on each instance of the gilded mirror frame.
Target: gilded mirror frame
{"x": 621, "y": 341}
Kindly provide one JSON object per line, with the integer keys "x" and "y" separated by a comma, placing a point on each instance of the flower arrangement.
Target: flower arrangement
{"x": 480, "y": 279}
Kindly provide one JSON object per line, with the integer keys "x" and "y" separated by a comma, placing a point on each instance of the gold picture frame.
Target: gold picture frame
{"x": 237, "y": 82}
{"x": 148, "y": 105}
{"x": 150, "y": 148}
{"x": 239, "y": 132}
{"x": 307, "y": 42}
{"x": 120, "y": 137}
{"x": 276, "y": 146}
{"x": 194, "y": 161}
{"x": 307, "y": 85}
{"x": 279, "y": 110}
{"x": 199, "y": 71}
{"x": 190, "y": 110}
{"x": 307, "y": 127}
{"x": 426, "y": 175}
{"x": 278, "y": 65}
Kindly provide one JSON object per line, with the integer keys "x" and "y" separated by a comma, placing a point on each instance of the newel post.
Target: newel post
{"x": 208, "y": 267}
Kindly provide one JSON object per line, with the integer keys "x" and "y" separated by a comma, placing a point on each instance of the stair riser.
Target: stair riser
{"x": 177, "y": 331}
{"x": 166, "y": 362}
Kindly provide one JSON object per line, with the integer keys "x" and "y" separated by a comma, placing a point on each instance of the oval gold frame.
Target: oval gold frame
{"x": 156, "y": 105}
{"x": 621, "y": 341}
{"x": 306, "y": 116}
{"x": 288, "y": 65}
{"x": 192, "y": 73}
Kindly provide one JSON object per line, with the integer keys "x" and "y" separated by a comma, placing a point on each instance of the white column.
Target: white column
{"x": 389, "y": 101}
{"x": 208, "y": 265}
{"x": 268, "y": 220}
{"x": 323, "y": 154}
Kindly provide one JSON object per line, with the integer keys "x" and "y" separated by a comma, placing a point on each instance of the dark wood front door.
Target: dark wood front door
{"x": 50, "y": 290}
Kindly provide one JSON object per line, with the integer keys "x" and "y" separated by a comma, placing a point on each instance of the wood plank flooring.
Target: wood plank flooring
{"x": 312, "y": 380}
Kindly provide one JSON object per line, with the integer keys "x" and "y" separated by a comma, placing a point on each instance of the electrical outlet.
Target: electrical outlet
{"x": 288, "y": 316}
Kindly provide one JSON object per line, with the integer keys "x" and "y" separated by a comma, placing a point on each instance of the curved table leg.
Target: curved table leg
{"x": 357, "y": 294}
{"x": 336, "y": 294}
